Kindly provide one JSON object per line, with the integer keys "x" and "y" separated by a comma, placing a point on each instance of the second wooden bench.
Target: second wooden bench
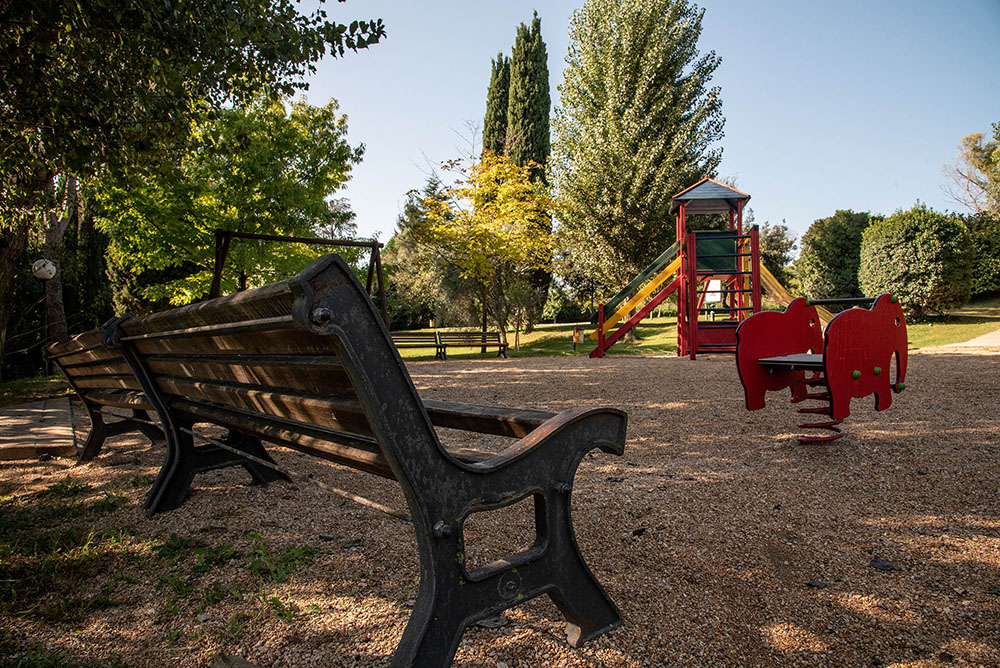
{"x": 481, "y": 340}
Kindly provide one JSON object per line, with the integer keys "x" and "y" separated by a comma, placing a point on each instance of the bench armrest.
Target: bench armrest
{"x": 497, "y": 420}
{"x": 580, "y": 428}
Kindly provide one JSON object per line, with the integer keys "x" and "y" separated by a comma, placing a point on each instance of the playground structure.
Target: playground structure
{"x": 781, "y": 349}
{"x": 712, "y": 272}
{"x": 731, "y": 258}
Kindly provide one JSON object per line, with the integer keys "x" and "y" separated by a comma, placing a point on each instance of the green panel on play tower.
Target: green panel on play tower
{"x": 713, "y": 243}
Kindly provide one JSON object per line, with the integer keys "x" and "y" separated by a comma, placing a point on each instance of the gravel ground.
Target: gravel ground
{"x": 722, "y": 540}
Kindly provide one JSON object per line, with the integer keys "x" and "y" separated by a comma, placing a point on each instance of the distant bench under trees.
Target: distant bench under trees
{"x": 441, "y": 340}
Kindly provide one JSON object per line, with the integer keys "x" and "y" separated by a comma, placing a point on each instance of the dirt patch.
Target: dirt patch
{"x": 723, "y": 541}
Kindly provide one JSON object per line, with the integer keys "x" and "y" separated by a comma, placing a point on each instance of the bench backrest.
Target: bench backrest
{"x": 306, "y": 363}
{"x": 91, "y": 366}
{"x": 471, "y": 338}
{"x": 430, "y": 338}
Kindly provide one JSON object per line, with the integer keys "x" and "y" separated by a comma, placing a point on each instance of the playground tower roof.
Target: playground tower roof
{"x": 708, "y": 196}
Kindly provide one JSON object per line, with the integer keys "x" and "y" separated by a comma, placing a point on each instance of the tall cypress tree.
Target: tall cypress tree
{"x": 528, "y": 137}
{"x": 529, "y": 102}
{"x": 495, "y": 123}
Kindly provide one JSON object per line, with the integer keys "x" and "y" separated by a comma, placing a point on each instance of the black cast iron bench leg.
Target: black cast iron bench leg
{"x": 451, "y": 598}
{"x": 184, "y": 461}
{"x": 100, "y": 430}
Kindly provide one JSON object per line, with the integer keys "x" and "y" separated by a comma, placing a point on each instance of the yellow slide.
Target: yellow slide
{"x": 641, "y": 296}
{"x": 783, "y": 296}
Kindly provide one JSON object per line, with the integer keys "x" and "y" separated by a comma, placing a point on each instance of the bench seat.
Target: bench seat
{"x": 419, "y": 340}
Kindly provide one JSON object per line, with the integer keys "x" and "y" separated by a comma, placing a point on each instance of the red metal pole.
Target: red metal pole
{"x": 682, "y": 301}
{"x": 692, "y": 256}
{"x": 739, "y": 218}
{"x": 755, "y": 268}
{"x": 600, "y": 329}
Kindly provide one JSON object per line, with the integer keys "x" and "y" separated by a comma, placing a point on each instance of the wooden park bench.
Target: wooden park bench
{"x": 308, "y": 364}
{"x": 103, "y": 380}
{"x": 472, "y": 340}
{"x": 419, "y": 340}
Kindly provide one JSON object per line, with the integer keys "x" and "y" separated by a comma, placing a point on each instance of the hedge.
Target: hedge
{"x": 924, "y": 257}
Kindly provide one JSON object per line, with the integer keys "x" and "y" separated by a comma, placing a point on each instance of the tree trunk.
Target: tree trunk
{"x": 13, "y": 240}
{"x": 517, "y": 332}
{"x": 631, "y": 336}
{"x": 58, "y": 221}
{"x": 484, "y": 298}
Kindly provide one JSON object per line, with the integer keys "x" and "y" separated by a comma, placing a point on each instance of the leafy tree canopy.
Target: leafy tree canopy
{"x": 984, "y": 232}
{"x": 637, "y": 124}
{"x": 528, "y": 135}
{"x": 831, "y": 247}
{"x": 264, "y": 167}
{"x": 493, "y": 228}
{"x": 975, "y": 176}
{"x": 420, "y": 286}
{"x": 777, "y": 245}
{"x": 94, "y": 83}
{"x": 495, "y": 122}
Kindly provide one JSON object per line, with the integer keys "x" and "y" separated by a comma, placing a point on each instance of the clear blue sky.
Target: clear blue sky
{"x": 835, "y": 105}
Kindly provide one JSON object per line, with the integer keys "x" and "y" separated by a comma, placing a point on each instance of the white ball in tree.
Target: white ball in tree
{"x": 43, "y": 269}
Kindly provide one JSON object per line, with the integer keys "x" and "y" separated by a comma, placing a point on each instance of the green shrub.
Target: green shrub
{"x": 920, "y": 255}
{"x": 828, "y": 264}
{"x": 985, "y": 233}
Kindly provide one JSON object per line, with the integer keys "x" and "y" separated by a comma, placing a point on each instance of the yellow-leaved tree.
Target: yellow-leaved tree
{"x": 492, "y": 225}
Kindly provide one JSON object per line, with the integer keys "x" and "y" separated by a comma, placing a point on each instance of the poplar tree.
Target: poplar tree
{"x": 495, "y": 123}
{"x": 528, "y": 105}
{"x": 637, "y": 124}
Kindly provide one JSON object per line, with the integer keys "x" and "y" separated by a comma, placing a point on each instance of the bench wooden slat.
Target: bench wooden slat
{"x": 355, "y": 450}
{"x": 417, "y": 337}
{"x": 119, "y": 399}
{"x": 107, "y": 382}
{"x": 218, "y": 329}
{"x": 276, "y": 342}
{"x": 269, "y": 301}
{"x": 88, "y": 340}
{"x": 108, "y": 367}
{"x": 293, "y": 372}
{"x": 329, "y": 411}
{"x": 95, "y": 355}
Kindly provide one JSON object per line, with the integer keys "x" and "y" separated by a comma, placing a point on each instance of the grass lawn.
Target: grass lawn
{"x": 658, "y": 336}
{"x": 25, "y": 390}
{"x": 961, "y": 325}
